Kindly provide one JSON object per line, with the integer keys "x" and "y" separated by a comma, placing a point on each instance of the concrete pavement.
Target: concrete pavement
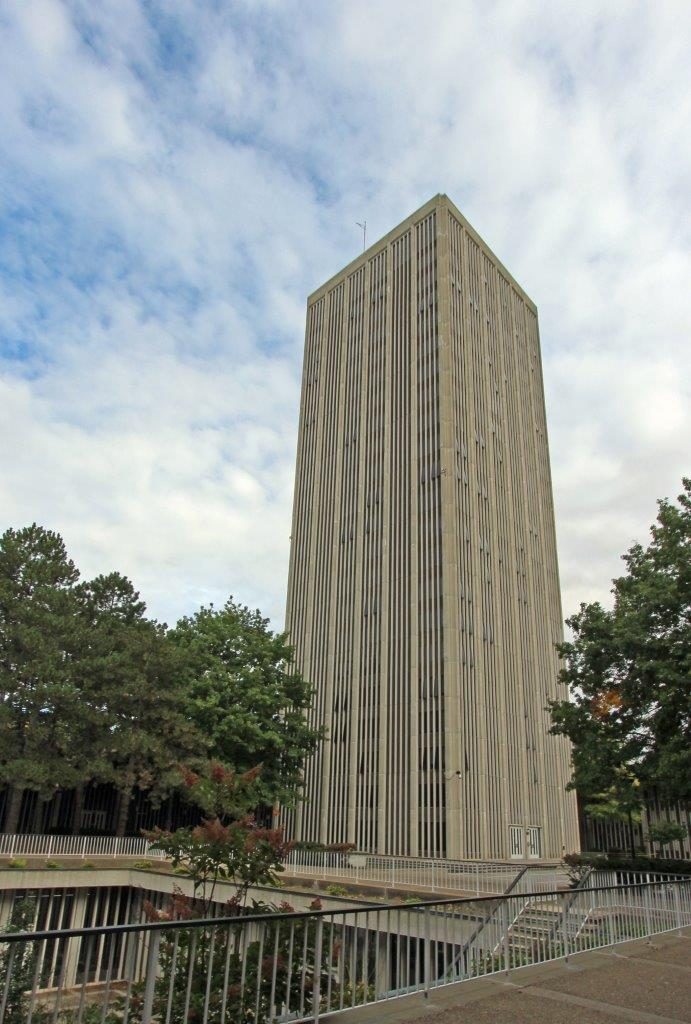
{"x": 646, "y": 983}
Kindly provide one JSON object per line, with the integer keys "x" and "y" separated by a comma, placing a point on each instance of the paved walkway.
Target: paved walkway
{"x": 647, "y": 983}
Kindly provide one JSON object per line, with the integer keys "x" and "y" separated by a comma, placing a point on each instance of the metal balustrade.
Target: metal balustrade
{"x": 421, "y": 873}
{"x": 75, "y": 846}
{"x": 623, "y": 876}
{"x": 299, "y": 966}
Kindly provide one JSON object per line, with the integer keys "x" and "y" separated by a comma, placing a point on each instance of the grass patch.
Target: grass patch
{"x": 337, "y": 890}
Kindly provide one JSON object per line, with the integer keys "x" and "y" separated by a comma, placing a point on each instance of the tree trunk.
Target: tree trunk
{"x": 632, "y": 840}
{"x": 77, "y": 810}
{"x": 55, "y": 809}
{"x": 123, "y": 813}
{"x": 13, "y": 807}
{"x": 37, "y": 816}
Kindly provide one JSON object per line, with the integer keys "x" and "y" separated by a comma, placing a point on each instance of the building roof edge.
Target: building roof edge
{"x": 437, "y": 201}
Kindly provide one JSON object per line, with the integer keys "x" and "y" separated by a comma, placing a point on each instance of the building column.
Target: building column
{"x": 74, "y": 945}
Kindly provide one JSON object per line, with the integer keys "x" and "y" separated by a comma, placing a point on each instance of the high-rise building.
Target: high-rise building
{"x": 423, "y": 597}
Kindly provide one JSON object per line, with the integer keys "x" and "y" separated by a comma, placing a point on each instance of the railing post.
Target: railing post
{"x": 428, "y": 953}
{"x": 677, "y": 907}
{"x": 565, "y": 927}
{"x": 647, "y": 901}
{"x": 507, "y": 938}
{"x": 381, "y": 973}
{"x": 609, "y": 923}
{"x": 150, "y": 975}
{"x": 316, "y": 981}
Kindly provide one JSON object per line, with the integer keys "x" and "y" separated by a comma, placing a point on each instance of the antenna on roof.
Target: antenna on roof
{"x": 364, "y": 233}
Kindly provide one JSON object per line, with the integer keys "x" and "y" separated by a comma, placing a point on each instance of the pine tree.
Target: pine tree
{"x": 42, "y": 718}
{"x": 133, "y": 681}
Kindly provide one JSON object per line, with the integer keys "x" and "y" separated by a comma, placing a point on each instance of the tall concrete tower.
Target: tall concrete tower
{"x": 423, "y": 596}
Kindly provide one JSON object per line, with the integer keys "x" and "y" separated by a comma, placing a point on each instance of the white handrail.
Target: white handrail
{"x": 421, "y": 873}
{"x": 84, "y": 847}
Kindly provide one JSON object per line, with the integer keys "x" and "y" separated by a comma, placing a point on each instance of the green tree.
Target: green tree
{"x": 43, "y": 721}
{"x": 246, "y": 699}
{"x": 133, "y": 675}
{"x": 629, "y": 710}
{"x": 665, "y": 832}
{"x": 90, "y": 689}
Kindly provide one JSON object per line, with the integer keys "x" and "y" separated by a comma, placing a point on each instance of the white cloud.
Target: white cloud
{"x": 180, "y": 176}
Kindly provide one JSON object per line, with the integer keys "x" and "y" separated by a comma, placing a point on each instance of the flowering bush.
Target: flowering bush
{"x": 222, "y": 792}
{"x": 241, "y": 853}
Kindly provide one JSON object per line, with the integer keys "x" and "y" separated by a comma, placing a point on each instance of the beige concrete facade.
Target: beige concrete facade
{"x": 423, "y": 596}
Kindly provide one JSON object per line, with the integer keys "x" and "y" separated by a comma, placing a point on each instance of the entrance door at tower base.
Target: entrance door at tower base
{"x": 525, "y": 842}
{"x": 516, "y": 835}
{"x": 534, "y": 841}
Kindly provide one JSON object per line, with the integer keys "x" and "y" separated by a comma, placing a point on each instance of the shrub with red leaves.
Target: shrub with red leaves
{"x": 240, "y": 853}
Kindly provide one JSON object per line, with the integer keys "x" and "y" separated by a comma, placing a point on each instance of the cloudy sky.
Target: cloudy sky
{"x": 177, "y": 176}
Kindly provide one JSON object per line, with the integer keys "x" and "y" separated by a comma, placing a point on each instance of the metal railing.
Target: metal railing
{"x": 623, "y": 876}
{"x": 75, "y": 846}
{"x": 297, "y": 966}
{"x": 420, "y": 873}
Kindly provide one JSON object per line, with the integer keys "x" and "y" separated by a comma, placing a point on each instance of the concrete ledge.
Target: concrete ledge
{"x": 156, "y": 880}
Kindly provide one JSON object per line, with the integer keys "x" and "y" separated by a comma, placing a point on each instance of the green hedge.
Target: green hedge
{"x": 309, "y": 847}
{"x": 640, "y": 863}
{"x": 676, "y": 867}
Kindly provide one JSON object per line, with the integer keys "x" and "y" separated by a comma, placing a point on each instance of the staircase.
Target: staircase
{"x": 540, "y": 931}
{"x": 542, "y": 928}
{"x": 533, "y": 927}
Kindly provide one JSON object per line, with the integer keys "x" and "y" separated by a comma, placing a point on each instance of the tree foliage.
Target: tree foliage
{"x": 245, "y": 698}
{"x": 91, "y": 690}
{"x": 665, "y": 832}
{"x": 628, "y": 671}
{"x": 132, "y": 675}
{"x": 40, "y": 712}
